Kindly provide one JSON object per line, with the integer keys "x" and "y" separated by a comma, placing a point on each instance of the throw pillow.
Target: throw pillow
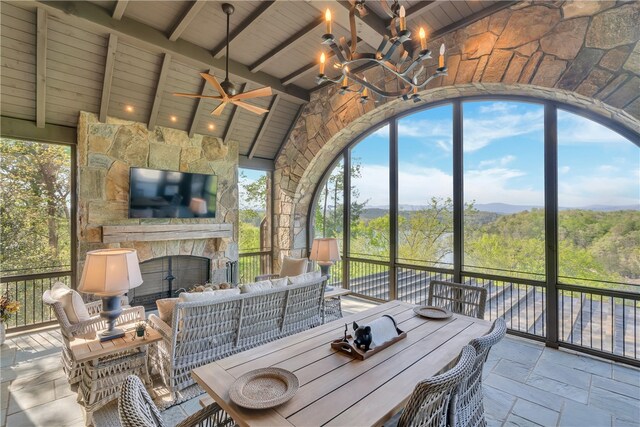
{"x": 208, "y": 296}
{"x": 305, "y": 278}
{"x": 71, "y": 301}
{"x": 263, "y": 285}
{"x": 293, "y": 266}
{"x": 165, "y": 309}
{"x": 280, "y": 283}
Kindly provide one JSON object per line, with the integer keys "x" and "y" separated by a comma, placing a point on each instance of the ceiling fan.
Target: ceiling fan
{"x": 229, "y": 92}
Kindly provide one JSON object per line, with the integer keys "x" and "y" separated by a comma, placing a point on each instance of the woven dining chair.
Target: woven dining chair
{"x": 136, "y": 409}
{"x": 467, "y": 407}
{"x": 428, "y": 405}
{"x": 462, "y": 299}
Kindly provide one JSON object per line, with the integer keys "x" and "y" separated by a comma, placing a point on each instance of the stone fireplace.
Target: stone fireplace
{"x": 106, "y": 151}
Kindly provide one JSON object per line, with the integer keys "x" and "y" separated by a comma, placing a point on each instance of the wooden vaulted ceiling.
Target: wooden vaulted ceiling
{"x": 61, "y": 57}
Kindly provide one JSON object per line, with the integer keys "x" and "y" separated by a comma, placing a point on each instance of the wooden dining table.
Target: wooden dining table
{"x": 336, "y": 389}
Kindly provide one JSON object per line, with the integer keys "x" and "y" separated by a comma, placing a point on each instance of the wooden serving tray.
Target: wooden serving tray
{"x": 350, "y": 349}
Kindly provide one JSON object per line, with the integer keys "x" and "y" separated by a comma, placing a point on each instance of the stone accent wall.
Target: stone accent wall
{"x": 582, "y": 53}
{"x": 106, "y": 151}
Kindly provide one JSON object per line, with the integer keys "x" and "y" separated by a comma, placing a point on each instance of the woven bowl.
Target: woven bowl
{"x": 264, "y": 388}
{"x": 431, "y": 312}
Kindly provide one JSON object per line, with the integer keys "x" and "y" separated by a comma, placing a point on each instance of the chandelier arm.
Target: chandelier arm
{"x": 383, "y": 44}
{"x": 352, "y": 24}
{"x": 392, "y": 27}
{"x": 386, "y": 8}
{"x": 337, "y": 52}
{"x": 345, "y": 48}
{"x": 380, "y": 92}
{"x": 392, "y": 49}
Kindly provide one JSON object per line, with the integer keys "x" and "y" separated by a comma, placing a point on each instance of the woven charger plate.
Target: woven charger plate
{"x": 264, "y": 388}
{"x": 433, "y": 312}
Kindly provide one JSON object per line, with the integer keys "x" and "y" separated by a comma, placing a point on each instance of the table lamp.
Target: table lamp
{"x": 198, "y": 206}
{"x": 325, "y": 252}
{"x": 110, "y": 273}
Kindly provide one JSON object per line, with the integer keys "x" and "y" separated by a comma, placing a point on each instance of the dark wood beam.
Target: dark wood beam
{"x": 233, "y": 119}
{"x": 191, "y": 12}
{"x": 289, "y": 131}
{"x": 218, "y": 51}
{"x": 157, "y": 100}
{"x": 27, "y": 129}
{"x": 41, "y": 66}
{"x": 206, "y": 90}
{"x": 118, "y": 10}
{"x": 94, "y": 18}
{"x": 255, "y": 163}
{"x": 108, "y": 77}
{"x": 282, "y": 47}
{"x": 264, "y": 126}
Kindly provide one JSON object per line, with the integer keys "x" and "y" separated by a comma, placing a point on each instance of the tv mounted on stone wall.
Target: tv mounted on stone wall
{"x": 169, "y": 194}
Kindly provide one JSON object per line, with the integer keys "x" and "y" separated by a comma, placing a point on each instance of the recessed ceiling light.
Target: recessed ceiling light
{"x": 211, "y": 126}
{"x": 173, "y": 119}
{"x": 129, "y": 108}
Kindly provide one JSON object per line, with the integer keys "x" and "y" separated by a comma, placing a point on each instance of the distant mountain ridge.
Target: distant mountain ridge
{"x": 505, "y": 208}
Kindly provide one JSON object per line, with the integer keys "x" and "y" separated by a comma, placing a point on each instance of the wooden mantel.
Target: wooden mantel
{"x": 149, "y": 233}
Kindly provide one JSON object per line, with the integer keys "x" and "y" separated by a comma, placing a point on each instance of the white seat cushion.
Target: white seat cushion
{"x": 293, "y": 266}
{"x": 305, "y": 278}
{"x": 71, "y": 302}
{"x": 263, "y": 285}
{"x": 208, "y": 296}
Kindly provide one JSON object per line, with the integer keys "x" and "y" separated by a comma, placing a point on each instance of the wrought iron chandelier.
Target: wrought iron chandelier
{"x": 396, "y": 54}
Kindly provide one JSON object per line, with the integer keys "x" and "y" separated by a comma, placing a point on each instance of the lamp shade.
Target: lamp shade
{"x": 110, "y": 272}
{"x": 198, "y": 206}
{"x": 325, "y": 250}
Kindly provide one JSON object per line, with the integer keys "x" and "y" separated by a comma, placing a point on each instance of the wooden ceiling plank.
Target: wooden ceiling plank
{"x": 206, "y": 90}
{"x": 191, "y": 12}
{"x": 276, "y": 51}
{"x": 263, "y": 126}
{"x": 218, "y": 51}
{"x": 233, "y": 120}
{"x": 118, "y": 10}
{"x": 41, "y": 66}
{"x": 162, "y": 79}
{"x": 419, "y": 8}
{"x": 108, "y": 77}
{"x": 289, "y": 131}
{"x": 371, "y": 20}
{"x": 91, "y": 16}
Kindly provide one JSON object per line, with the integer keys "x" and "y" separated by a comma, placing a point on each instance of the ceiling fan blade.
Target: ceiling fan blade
{"x": 256, "y": 93}
{"x": 218, "y": 109}
{"x": 249, "y": 107}
{"x": 214, "y": 82}
{"x": 195, "y": 95}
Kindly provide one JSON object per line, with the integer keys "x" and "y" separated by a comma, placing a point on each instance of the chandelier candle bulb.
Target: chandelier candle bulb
{"x": 423, "y": 39}
{"x": 323, "y": 58}
{"x": 365, "y": 92}
{"x": 403, "y": 20}
{"x": 327, "y": 17}
{"x": 441, "y": 57}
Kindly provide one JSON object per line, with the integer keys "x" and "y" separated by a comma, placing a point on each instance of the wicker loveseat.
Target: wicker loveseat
{"x": 203, "y": 332}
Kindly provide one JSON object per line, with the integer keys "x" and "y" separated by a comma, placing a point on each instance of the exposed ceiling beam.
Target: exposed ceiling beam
{"x": 206, "y": 91}
{"x": 157, "y": 100}
{"x": 118, "y": 10}
{"x": 255, "y": 163}
{"x": 289, "y": 131}
{"x": 92, "y": 17}
{"x": 276, "y": 51}
{"x": 218, "y": 51}
{"x": 419, "y": 8}
{"x": 263, "y": 126}
{"x": 233, "y": 119}
{"x": 191, "y": 12}
{"x": 306, "y": 69}
{"x": 41, "y": 67}
{"x": 27, "y": 129}
{"x": 108, "y": 77}
{"x": 370, "y": 34}
{"x": 371, "y": 20}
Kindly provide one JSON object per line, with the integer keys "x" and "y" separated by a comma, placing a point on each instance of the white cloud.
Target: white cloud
{"x": 598, "y": 190}
{"x": 573, "y": 129}
{"x": 503, "y": 161}
{"x": 480, "y": 132}
{"x": 564, "y": 169}
{"x": 497, "y": 107}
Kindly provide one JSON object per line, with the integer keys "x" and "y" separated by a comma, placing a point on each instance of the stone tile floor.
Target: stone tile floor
{"x": 526, "y": 384}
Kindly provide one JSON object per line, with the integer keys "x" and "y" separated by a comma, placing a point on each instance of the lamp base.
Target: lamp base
{"x": 111, "y": 334}
{"x": 324, "y": 270}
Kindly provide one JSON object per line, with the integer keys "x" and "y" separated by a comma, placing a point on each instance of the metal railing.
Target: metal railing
{"x": 252, "y": 264}
{"x": 28, "y": 290}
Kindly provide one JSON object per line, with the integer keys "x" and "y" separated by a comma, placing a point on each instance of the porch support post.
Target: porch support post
{"x": 458, "y": 192}
{"x": 551, "y": 220}
{"x": 393, "y": 208}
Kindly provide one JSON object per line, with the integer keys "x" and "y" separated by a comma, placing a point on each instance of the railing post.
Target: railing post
{"x": 393, "y": 208}
{"x": 458, "y": 192}
{"x": 551, "y": 220}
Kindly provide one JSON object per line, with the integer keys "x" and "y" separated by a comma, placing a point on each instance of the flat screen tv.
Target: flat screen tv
{"x": 168, "y": 194}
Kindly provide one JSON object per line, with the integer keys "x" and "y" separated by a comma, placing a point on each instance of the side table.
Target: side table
{"x": 333, "y": 304}
{"x": 107, "y": 364}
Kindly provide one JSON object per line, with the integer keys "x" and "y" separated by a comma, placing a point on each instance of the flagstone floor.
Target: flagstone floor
{"x": 526, "y": 384}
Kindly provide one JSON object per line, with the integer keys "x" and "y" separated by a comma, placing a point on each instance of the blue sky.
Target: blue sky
{"x": 503, "y": 158}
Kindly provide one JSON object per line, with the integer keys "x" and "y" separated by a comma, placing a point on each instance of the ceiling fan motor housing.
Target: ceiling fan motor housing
{"x": 229, "y": 88}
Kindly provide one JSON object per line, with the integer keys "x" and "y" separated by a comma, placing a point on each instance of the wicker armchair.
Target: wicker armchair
{"x": 462, "y": 299}
{"x": 96, "y": 323}
{"x": 467, "y": 408}
{"x": 136, "y": 409}
{"x": 429, "y": 403}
